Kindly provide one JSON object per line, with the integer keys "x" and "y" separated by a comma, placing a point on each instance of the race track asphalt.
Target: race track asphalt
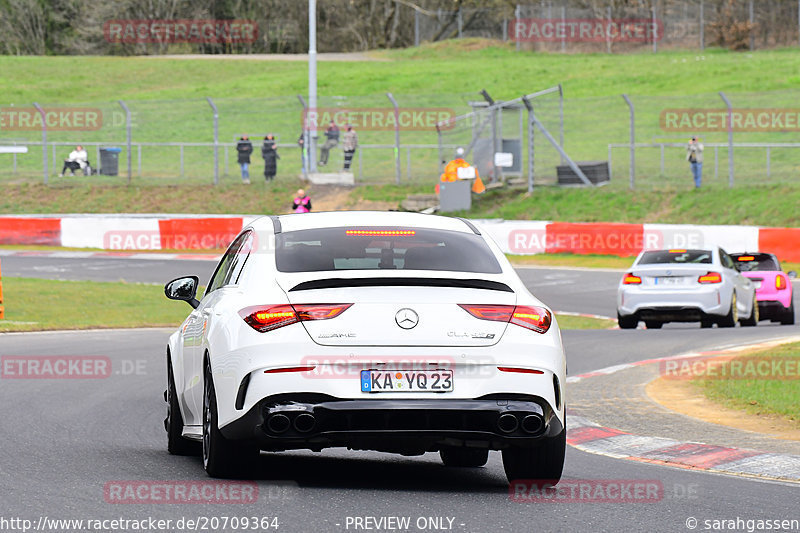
{"x": 65, "y": 439}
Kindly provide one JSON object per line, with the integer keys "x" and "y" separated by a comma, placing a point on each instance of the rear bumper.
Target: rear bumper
{"x": 772, "y": 297}
{"x": 674, "y": 306}
{"x": 673, "y": 314}
{"x": 771, "y": 308}
{"x": 411, "y": 427}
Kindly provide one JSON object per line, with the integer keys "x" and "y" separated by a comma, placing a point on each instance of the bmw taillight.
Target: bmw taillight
{"x": 630, "y": 279}
{"x": 534, "y": 318}
{"x": 267, "y": 318}
{"x": 780, "y": 283}
{"x": 710, "y": 277}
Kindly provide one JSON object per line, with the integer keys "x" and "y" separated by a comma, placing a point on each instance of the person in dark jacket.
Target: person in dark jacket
{"x": 270, "y": 154}
{"x": 331, "y": 141}
{"x": 244, "y": 148}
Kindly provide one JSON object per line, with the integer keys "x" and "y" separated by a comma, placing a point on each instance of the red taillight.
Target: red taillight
{"x": 267, "y": 318}
{"x": 519, "y": 370}
{"x": 535, "y": 318}
{"x": 290, "y": 369}
{"x": 497, "y": 313}
{"x": 780, "y": 283}
{"x": 630, "y": 279}
{"x": 710, "y": 277}
{"x": 320, "y": 311}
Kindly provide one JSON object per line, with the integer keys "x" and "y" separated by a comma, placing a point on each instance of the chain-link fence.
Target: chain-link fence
{"x": 176, "y": 141}
{"x": 173, "y": 142}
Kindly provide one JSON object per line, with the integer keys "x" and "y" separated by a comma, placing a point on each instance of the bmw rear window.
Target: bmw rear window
{"x": 676, "y": 257}
{"x": 383, "y": 248}
{"x": 755, "y": 262}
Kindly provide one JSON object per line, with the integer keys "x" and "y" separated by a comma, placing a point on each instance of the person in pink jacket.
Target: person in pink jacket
{"x": 302, "y": 202}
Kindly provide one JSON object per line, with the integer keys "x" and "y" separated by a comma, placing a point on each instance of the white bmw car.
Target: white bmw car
{"x": 686, "y": 286}
{"x": 395, "y": 332}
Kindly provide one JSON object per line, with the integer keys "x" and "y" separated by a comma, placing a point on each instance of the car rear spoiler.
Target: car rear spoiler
{"x": 338, "y": 283}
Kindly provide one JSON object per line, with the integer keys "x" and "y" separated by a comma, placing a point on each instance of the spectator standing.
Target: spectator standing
{"x": 694, "y": 155}
{"x": 349, "y": 144}
{"x": 270, "y": 154}
{"x": 302, "y": 202}
{"x": 244, "y": 148}
{"x": 331, "y": 141}
{"x": 78, "y": 159}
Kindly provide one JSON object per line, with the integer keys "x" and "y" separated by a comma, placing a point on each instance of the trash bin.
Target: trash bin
{"x": 109, "y": 161}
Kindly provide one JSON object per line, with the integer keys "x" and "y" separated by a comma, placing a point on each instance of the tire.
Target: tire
{"x": 222, "y": 458}
{"x": 627, "y": 322}
{"x": 730, "y": 320}
{"x": 706, "y": 323}
{"x": 787, "y": 319}
{"x": 176, "y": 443}
{"x": 467, "y": 457}
{"x": 544, "y": 462}
{"x": 752, "y": 320}
{"x": 653, "y": 324}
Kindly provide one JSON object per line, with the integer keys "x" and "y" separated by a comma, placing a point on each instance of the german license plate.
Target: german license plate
{"x": 669, "y": 280}
{"x": 406, "y": 381}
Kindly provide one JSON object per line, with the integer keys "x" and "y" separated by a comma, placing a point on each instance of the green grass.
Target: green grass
{"x": 37, "y": 304}
{"x": 429, "y": 69}
{"x": 167, "y": 97}
{"x": 582, "y": 322}
{"x": 257, "y": 198}
{"x": 767, "y": 205}
{"x": 571, "y": 260}
{"x": 762, "y": 396}
{"x": 758, "y": 205}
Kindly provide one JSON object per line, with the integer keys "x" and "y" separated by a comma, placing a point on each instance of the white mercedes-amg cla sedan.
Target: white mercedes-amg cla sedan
{"x": 396, "y": 332}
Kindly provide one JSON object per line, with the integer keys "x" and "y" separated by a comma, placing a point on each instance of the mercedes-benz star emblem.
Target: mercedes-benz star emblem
{"x": 406, "y": 318}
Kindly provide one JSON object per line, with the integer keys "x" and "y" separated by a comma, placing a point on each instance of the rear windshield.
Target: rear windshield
{"x": 675, "y": 256}
{"x": 753, "y": 262}
{"x": 380, "y": 248}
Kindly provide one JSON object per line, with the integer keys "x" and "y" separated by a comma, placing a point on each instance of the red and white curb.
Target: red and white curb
{"x": 203, "y": 232}
{"x": 593, "y": 438}
{"x": 590, "y": 437}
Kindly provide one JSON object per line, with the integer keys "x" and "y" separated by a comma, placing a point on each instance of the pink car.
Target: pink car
{"x": 773, "y": 286}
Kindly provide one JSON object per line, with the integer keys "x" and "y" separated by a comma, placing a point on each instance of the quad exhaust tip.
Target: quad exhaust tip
{"x": 304, "y": 422}
{"x": 507, "y": 423}
{"x": 278, "y": 423}
{"x": 532, "y": 424}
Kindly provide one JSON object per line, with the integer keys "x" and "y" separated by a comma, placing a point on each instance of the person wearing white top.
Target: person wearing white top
{"x": 78, "y": 160}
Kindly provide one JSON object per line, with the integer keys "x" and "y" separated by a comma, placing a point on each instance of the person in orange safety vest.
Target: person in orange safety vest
{"x": 451, "y": 172}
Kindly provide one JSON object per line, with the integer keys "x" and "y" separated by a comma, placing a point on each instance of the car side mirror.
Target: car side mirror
{"x": 792, "y": 274}
{"x": 183, "y": 289}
